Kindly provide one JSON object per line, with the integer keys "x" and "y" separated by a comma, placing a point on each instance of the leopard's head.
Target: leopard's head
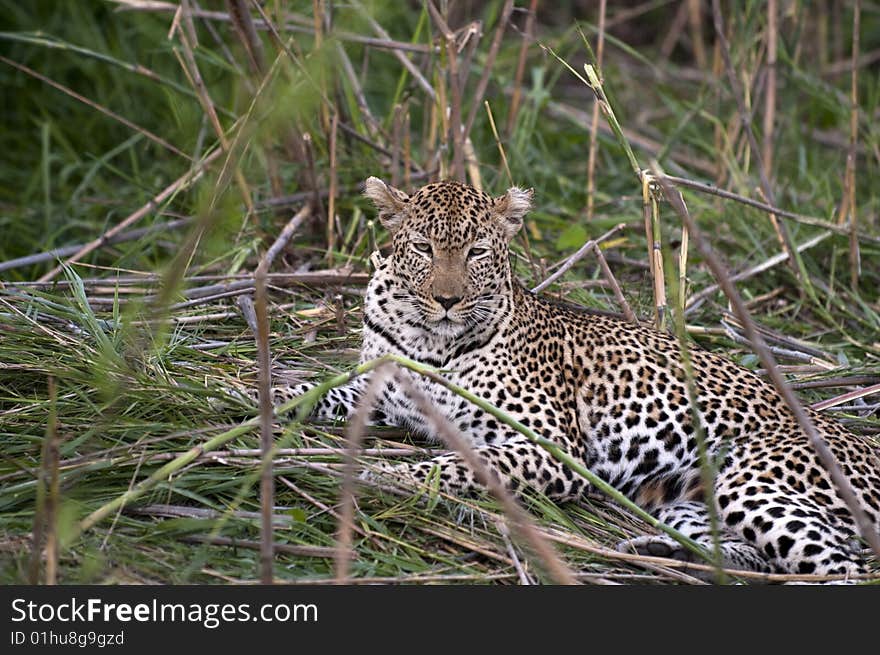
{"x": 450, "y": 249}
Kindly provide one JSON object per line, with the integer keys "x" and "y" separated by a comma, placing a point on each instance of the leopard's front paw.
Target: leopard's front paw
{"x": 382, "y": 473}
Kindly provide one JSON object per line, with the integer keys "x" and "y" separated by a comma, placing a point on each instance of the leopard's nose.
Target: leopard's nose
{"x": 447, "y": 302}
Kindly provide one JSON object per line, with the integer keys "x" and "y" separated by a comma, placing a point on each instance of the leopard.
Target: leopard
{"x": 612, "y": 394}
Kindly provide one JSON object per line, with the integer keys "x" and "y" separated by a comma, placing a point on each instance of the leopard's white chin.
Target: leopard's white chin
{"x": 446, "y": 326}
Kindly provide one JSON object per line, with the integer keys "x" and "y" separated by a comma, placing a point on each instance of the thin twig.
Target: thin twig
{"x": 697, "y": 299}
{"x": 846, "y": 397}
{"x": 354, "y": 436}
{"x": 770, "y": 209}
{"x": 615, "y": 287}
{"x": 770, "y": 95}
{"x": 187, "y": 178}
{"x": 58, "y": 253}
{"x": 575, "y": 257}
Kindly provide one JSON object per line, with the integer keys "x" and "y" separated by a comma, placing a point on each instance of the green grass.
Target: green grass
{"x": 135, "y": 371}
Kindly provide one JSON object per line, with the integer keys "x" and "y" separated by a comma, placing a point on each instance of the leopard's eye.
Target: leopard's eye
{"x": 477, "y": 252}
{"x": 423, "y": 247}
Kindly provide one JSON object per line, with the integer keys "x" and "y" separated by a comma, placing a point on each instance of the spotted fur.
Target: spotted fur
{"x": 612, "y": 394}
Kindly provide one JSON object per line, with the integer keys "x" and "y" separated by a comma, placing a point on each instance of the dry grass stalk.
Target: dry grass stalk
{"x": 373, "y": 127}
{"x": 247, "y": 34}
{"x": 841, "y": 483}
{"x": 575, "y": 257}
{"x": 850, "y": 191}
{"x": 778, "y": 228}
{"x": 695, "y": 19}
{"x": 674, "y": 30}
{"x": 594, "y": 119}
{"x": 770, "y": 95}
{"x": 696, "y": 300}
{"x": 334, "y": 183}
{"x": 516, "y": 96}
{"x": 846, "y": 397}
{"x": 190, "y": 68}
{"x": 498, "y": 142}
{"x": 357, "y": 424}
{"x": 44, "y": 534}
{"x": 261, "y": 307}
{"x": 58, "y": 253}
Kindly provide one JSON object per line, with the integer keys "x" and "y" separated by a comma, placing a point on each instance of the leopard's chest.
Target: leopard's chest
{"x": 481, "y": 368}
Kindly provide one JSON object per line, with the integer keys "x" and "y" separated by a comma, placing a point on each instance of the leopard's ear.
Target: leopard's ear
{"x": 390, "y": 202}
{"x": 511, "y": 208}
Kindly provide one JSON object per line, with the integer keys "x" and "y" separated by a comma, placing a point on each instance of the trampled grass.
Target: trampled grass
{"x": 110, "y": 369}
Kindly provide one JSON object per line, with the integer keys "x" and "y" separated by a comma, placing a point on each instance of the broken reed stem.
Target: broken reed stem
{"x": 261, "y": 308}
{"x": 184, "y": 180}
{"x": 594, "y": 119}
{"x": 357, "y": 424}
{"x": 480, "y": 91}
{"x": 770, "y": 94}
{"x": 516, "y": 96}
{"x": 615, "y": 287}
{"x": 518, "y": 517}
{"x": 746, "y": 122}
{"x": 826, "y": 457}
{"x": 575, "y": 257}
{"x": 651, "y": 216}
